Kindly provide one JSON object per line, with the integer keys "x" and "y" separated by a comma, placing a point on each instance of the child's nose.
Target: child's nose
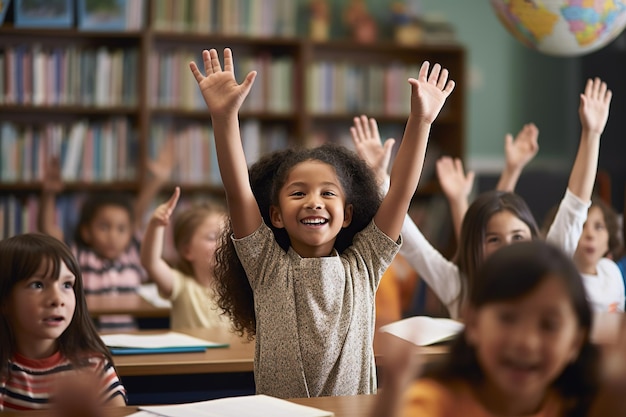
{"x": 55, "y": 298}
{"x": 526, "y": 338}
{"x": 314, "y": 203}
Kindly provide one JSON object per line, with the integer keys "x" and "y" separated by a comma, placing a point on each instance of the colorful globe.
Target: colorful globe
{"x": 562, "y": 27}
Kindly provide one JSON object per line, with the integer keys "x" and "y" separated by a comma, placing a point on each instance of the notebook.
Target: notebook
{"x": 169, "y": 342}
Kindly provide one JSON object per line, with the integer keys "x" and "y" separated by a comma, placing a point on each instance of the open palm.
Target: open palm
{"x": 219, "y": 88}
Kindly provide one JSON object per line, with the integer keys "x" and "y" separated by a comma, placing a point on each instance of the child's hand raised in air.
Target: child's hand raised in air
{"x": 594, "y": 106}
{"x": 161, "y": 168}
{"x": 162, "y": 214}
{"x": 429, "y": 92}
{"x": 52, "y": 182}
{"x": 456, "y": 185}
{"x": 521, "y": 150}
{"x": 367, "y": 143}
{"x": 221, "y": 92}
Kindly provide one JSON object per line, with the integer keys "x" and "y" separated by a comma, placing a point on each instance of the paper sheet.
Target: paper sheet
{"x": 150, "y": 293}
{"x": 423, "y": 330}
{"x": 155, "y": 341}
{"x": 249, "y": 406}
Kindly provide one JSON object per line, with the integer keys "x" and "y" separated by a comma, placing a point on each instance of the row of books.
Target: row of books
{"x": 88, "y": 152}
{"x": 17, "y": 215}
{"x": 275, "y": 18}
{"x": 91, "y": 15}
{"x": 334, "y": 87}
{"x": 194, "y": 151}
{"x": 72, "y": 75}
{"x": 172, "y": 86}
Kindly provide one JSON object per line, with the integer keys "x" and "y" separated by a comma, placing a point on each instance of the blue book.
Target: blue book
{"x": 168, "y": 342}
{"x": 148, "y": 351}
{"x": 4, "y": 6}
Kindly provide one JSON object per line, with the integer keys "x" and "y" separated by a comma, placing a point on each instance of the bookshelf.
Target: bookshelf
{"x": 130, "y": 90}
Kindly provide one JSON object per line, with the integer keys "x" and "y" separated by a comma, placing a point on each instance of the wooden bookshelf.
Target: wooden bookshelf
{"x": 164, "y": 99}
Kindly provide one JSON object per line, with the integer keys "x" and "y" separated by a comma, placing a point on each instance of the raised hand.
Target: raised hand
{"x": 367, "y": 143}
{"x": 454, "y": 182}
{"x": 52, "y": 182}
{"x": 221, "y": 92}
{"x": 163, "y": 212}
{"x": 161, "y": 168}
{"x": 523, "y": 148}
{"x": 594, "y": 106}
{"x": 429, "y": 92}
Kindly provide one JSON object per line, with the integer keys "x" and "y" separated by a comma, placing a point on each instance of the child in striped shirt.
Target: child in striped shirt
{"x": 48, "y": 337}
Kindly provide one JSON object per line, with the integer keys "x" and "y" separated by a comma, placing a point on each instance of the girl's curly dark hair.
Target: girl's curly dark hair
{"x": 267, "y": 177}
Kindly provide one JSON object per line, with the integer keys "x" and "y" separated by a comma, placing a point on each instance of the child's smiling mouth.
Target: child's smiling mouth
{"x": 314, "y": 221}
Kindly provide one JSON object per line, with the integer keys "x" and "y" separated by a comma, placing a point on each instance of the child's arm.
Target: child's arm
{"x": 609, "y": 400}
{"x": 159, "y": 171}
{"x": 428, "y": 94}
{"x": 52, "y": 184}
{"x": 456, "y": 185}
{"x": 441, "y": 275}
{"x": 224, "y": 96}
{"x": 566, "y": 229}
{"x": 593, "y": 112}
{"x": 518, "y": 153}
{"x": 401, "y": 364}
{"x": 152, "y": 246}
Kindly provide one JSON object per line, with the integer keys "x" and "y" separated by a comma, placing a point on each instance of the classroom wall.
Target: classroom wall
{"x": 507, "y": 85}
{"x": 510, "y": 85}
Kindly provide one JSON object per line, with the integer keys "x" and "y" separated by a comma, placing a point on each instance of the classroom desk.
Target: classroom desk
{"x": 188, "y": 377}
{"x": 348, "y": 406}
{"x": 126, "y": 303}
{"x": 214, "y": 373}
{"x": 237, "y": 357}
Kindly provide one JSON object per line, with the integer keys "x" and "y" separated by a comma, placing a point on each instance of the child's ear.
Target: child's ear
{"x": 184, "y": 253}
{"x": 347, "y": 215}
{"x": 276, "y": 217}
{"x": 85, "y": 234}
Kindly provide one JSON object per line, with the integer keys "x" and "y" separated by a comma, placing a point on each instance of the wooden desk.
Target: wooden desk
{"x": 237, "y": 357}
{"x": 214, "y": 373}
{"x": 349, "y": 406}
{"x": 127, "y": 303}
{"x": 188, "y": 377}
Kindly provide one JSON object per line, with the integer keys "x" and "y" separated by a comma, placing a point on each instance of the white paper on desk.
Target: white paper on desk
{"x": 150, "y": 293}
{"x": 248, "y": 405}
{"x": 154, "y": 341}
{"x": 424, "y": 330}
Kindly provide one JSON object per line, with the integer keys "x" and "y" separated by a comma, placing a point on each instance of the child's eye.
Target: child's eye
{"x": 507, "y": 317}
{"x": 68, "y": 284}
{"x": 550, "y": 325}
{"x": 35, "y": 284}
{"x": 492, "y": 240}
{"x": 599, "y": 226}
{"x": 329, "y": 193}
{"x": 518, "y": 237}
{"x": 297, "y": 194}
